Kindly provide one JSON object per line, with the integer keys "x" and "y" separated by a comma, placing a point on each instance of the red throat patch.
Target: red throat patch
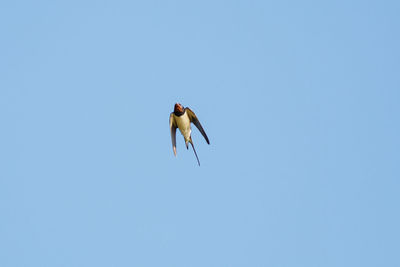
{"x": 178, "y": 108}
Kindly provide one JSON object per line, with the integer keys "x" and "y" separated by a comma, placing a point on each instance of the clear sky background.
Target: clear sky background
{"x": 300, "y": 100}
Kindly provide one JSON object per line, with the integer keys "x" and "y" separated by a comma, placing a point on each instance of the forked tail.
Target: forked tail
{"x": 198, "y": 161}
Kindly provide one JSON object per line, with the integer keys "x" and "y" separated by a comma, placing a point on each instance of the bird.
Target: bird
{"x": 181, "y": 118}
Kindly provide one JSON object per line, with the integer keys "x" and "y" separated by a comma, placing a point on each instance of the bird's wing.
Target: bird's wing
{"x": 193, "y": 118}
{"x": 172, "y": 127}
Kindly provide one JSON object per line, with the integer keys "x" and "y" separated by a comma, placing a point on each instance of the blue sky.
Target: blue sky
{"x": 300, "y": 100}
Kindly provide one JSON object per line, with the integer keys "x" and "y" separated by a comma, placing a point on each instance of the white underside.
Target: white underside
{"x": 183, "y": 123}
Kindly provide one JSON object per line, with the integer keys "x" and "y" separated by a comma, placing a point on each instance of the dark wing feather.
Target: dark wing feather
{"x": 193, "y": 118}
{"x": 172, "y": 127}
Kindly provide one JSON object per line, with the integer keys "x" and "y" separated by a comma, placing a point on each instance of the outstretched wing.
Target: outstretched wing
{"x": 193, "y": 118}
{"x": 172, "y": 127}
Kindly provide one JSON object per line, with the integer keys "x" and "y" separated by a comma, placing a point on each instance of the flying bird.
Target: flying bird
{"x": 181, "y": 118}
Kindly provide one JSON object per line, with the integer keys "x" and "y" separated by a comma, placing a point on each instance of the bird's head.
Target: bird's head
{"x": 178, "y": 109}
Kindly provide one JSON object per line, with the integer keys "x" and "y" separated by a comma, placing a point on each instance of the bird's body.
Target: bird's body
{"x": 183, "y": 123}
{"x": 181, "y": 119}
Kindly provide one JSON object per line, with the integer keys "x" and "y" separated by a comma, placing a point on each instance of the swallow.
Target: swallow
{"x": 181, "y": 118}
